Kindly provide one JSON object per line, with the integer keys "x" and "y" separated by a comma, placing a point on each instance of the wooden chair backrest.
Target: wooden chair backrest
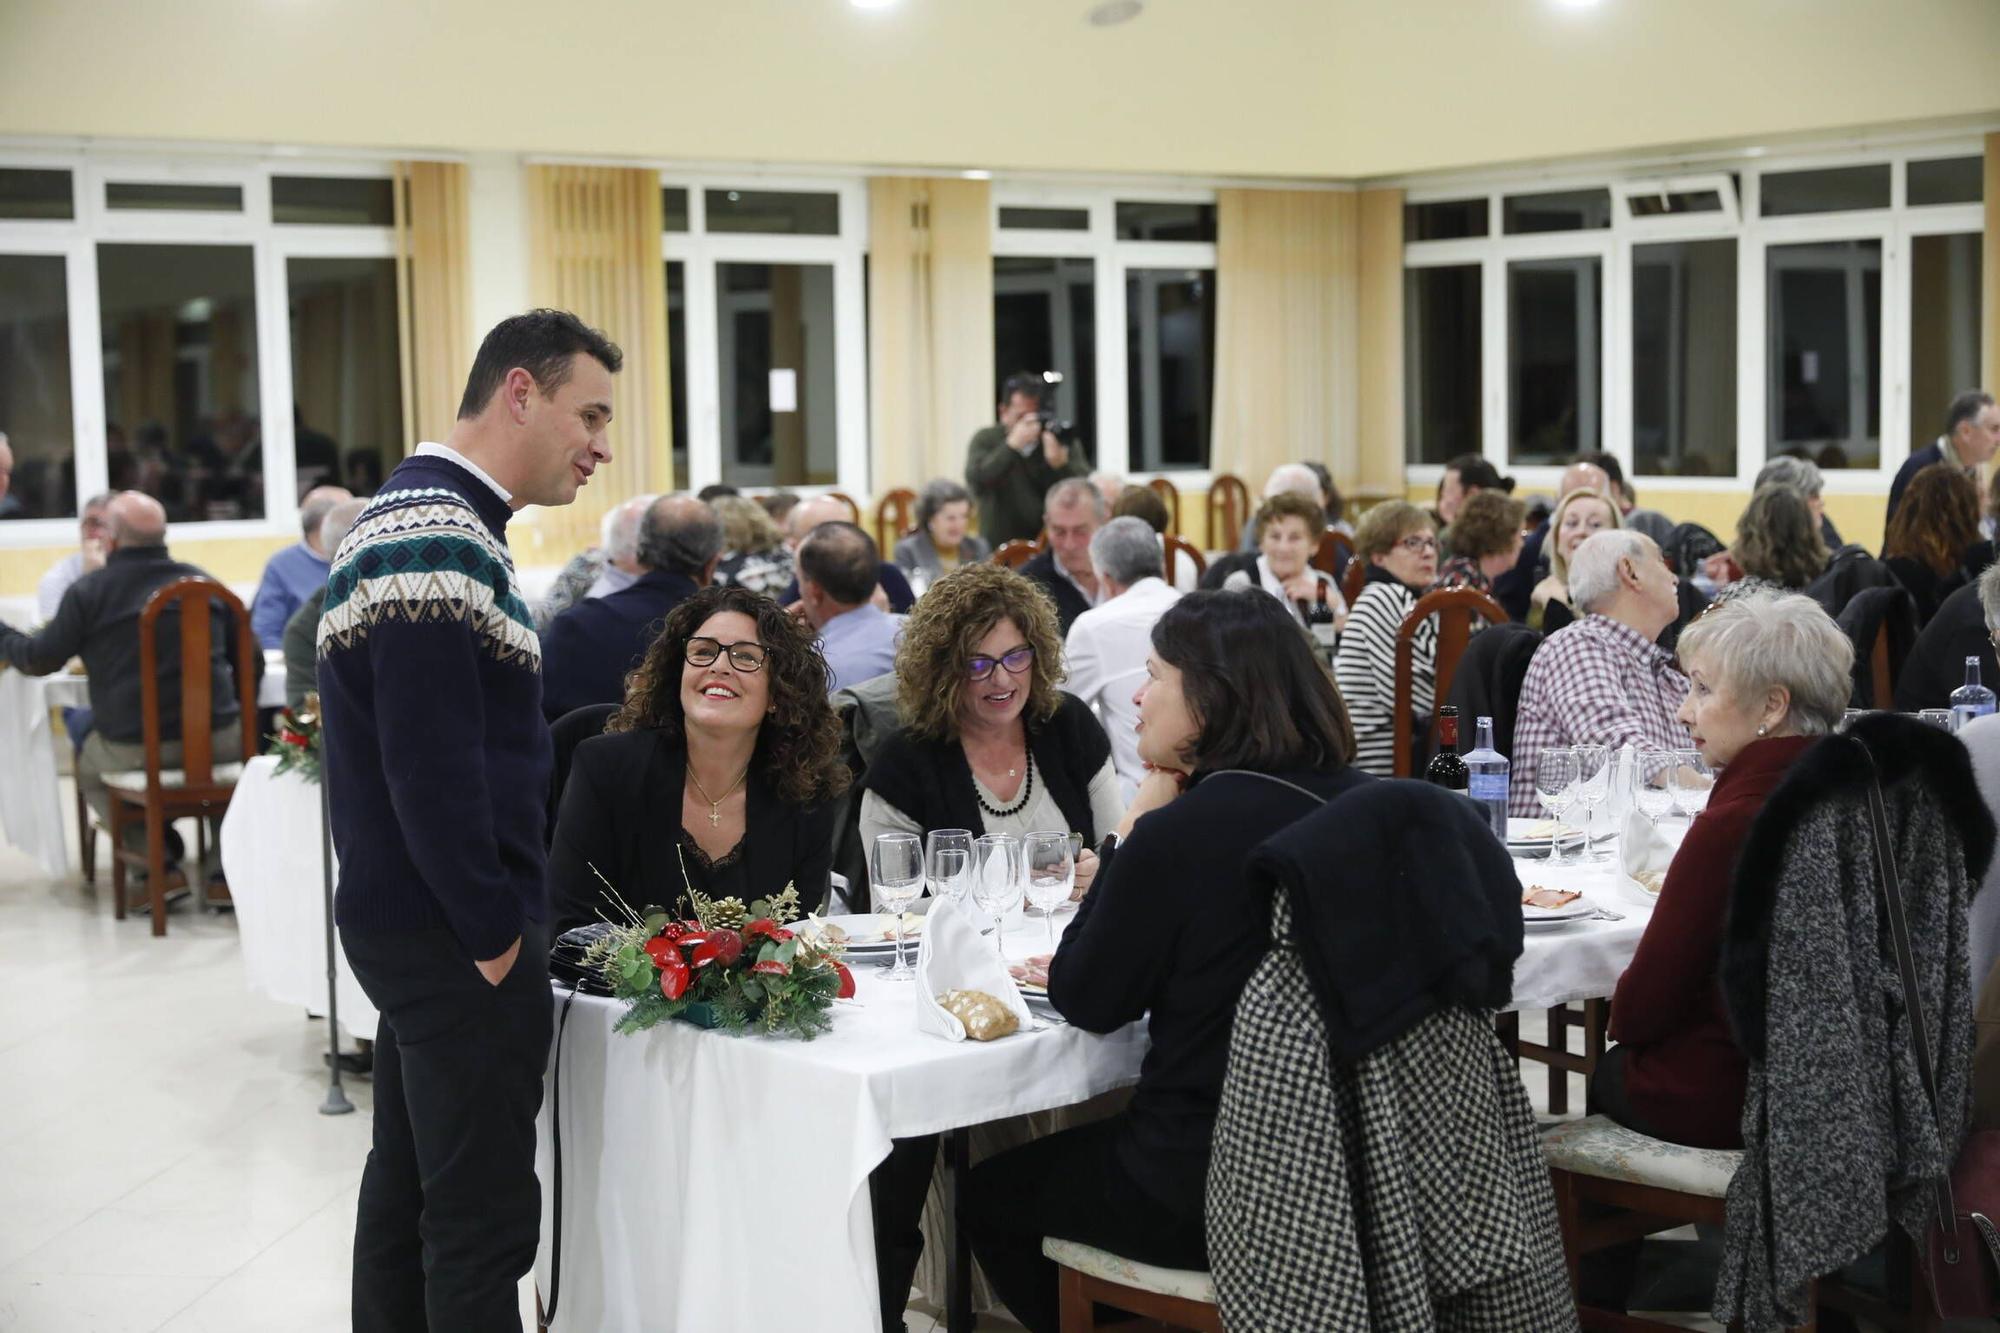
{"x": 1354, "y": 580}
{"x": 1015, "y": 553}
{"x": 1228, "y": 511}
{"x": 895, "y": 518}
{"x": 853, "y": 506}
{"x": 1327, "y": 559}
{"x": 1878, "y": 662}
{"x": 191, "y": 601}
{"x": 1177, "y": 549}
{"x": 1169, "y": 494}
{"x": 1455, "y": 609}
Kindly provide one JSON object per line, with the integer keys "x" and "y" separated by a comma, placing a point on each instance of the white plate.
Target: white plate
{"x": 1555, "y": 916}
{"x": 869, "y": 932}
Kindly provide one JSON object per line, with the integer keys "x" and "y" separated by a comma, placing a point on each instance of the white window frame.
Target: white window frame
{"x": 271, "y": 246}
{"x": 1113, "y": 260}
{"x": 698, "y": 251}
{"x": 1894, "y": 227}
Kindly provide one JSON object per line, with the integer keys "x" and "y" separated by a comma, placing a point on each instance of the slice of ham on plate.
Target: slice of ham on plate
{"x": 1537, "y": 896}
{"x": 1032, "y": 973}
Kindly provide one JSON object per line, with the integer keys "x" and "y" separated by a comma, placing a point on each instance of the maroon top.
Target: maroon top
{"x": 1684, "y": 1075}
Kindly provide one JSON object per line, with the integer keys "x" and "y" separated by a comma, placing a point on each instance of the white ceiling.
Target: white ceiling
{"x": 1313, "y": 88}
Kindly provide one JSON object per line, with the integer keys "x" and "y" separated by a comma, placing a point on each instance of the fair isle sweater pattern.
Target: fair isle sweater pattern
{"x": 424, "y": 555}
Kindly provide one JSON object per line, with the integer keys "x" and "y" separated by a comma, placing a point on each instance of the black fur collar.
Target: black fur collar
{"x": 1835, "y": 768}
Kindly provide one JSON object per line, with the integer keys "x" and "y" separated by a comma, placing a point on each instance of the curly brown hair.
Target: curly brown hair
{"x": 1936, "y": 520}
{"x": 943, "y": 632}
{"x": 1778, "y": 539}
{"x": 1488, "y": 523}
{"x": 1290, "y": 504}
{"x": 798, "y": 746}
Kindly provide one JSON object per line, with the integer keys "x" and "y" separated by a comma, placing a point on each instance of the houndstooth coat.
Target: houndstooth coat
{"x": 1402, "y": 1193}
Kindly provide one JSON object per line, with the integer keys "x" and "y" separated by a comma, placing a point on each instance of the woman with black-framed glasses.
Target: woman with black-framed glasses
{"x": 719, "y": 770}
{"x": 1398, "y": 546}
{"x": 989, "y": 742}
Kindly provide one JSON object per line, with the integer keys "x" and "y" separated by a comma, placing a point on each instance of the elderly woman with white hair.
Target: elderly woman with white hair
{"x": 605, "y": 568}
{"x": 943, "y": 539}
{"x": 1768, "y": 673}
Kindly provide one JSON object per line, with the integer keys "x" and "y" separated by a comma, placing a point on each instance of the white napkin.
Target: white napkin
{"x": 1644, "y": 853}
{"x": 953, "y": 955}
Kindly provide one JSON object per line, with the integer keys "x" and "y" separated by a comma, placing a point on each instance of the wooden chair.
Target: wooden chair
{"x": 1178, "y": 1298}
{"x": 1591, "y": 1018}
{"x": 201, "y": 786}
{"x": 895, "y": 518}
{"x": 1016, "y": 553}
{"x": 1228, "y": 510}
{"x": 1880, "y": 669}
{"x": 1171, "y": 496}
{"x": 1178, "y": 548}
{"x": 1455, "y": 609}
{"x": 1328, "y": 559}
{"x": 853, "y": 506}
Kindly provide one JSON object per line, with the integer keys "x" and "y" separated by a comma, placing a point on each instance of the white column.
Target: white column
{"x": 500, "y": 279}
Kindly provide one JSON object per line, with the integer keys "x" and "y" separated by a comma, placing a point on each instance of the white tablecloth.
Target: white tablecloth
{"x": 31, "y": 807}
{"x": 271, "y": 854}
{"x": 1581, "y": 960}
{"x": 714, "y": 1182}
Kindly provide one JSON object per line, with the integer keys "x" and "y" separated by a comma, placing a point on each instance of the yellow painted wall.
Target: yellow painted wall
{"x": 232, "y": 560}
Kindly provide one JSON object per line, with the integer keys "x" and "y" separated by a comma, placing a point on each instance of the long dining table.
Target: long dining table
{"x": 688, "y": 1154}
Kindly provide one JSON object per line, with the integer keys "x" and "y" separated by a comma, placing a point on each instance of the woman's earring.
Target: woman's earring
{"x": 1762, "y": 729}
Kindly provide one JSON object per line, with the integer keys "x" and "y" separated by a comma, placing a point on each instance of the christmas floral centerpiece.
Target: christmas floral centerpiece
{"x": 296, "y": 741}
{"x": 722, "y": 963}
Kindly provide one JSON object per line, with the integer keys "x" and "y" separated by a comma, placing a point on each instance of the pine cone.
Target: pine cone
{"x": 727, "y": 912}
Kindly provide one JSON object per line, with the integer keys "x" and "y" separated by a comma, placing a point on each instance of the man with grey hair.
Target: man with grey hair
{"x": 302, "y": 630}
{"x": 1964, "y": 626}
{"x": 892, "y": 588}
{"x": 589, "y": 648}
{"x": 1071, "y": 515}
{"x": 293, "y": 574}
{"x": 98, "y": 621}
{"x": 1285, "y": 479}
{"x": 89, "y": 555}
{"x": 607, "y": 567}
{"x": 1971, "y": 436}
{"x": 1107, "y": 646}
{"x": 1603, "y": 680}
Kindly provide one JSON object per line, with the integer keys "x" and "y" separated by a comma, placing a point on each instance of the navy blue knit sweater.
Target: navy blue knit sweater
{"x": 437, "y": 758}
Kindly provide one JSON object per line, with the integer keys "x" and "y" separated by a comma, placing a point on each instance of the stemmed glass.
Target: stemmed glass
{"x": 949, "y": 863}
{"x": 997, "y": 872}
{"x": 896, "y": 869}
{"x": 1650, "y": 784}
{"x": 1690, "y": 783}
{"x": 1051, "y": 861}
{"x": 1593, "y": 787}
{"x": 1555, "y": 787}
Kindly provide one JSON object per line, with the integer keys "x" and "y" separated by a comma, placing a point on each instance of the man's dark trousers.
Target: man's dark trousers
{"x": 450, "y": 1210}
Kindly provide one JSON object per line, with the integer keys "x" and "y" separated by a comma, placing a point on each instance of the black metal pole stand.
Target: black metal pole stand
{"x": 336, "y": 1102}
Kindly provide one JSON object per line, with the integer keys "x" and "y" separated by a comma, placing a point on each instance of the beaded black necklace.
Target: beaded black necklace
{"x": 1027, "y": 792}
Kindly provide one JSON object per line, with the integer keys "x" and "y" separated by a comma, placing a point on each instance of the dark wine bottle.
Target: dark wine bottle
{"x": 1446, "y": 769}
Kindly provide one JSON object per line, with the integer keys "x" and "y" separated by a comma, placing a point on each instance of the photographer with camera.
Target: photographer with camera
{"x": 1010, "y": 466}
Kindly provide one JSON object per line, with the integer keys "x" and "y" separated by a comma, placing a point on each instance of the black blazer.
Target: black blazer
{"x": 1069, "y": 602}
{"x": 587, "y": 650}
{"x": 621, "y": 814}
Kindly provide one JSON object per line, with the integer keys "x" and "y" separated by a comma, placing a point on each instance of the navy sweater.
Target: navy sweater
{"x": 437, "y": 758}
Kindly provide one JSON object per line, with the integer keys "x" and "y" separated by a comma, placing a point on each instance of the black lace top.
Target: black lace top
{"x": 720, "y": 878}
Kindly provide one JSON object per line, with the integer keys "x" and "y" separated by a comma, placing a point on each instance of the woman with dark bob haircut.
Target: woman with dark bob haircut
{"x": 718, "y": 772}
{"x": 1245, "y": 734}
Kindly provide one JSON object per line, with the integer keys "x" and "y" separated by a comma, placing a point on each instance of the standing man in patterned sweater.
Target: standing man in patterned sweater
{"x": 438, "y": 761}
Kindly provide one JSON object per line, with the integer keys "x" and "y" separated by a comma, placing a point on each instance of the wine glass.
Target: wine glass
{"x": 1690, "y": 783}
{"x": 1555, "y": 787}
{"x": 996, "y": 878}
{"x": 950, "y": 863}
{"x": 896, "y": 868}
{"x": 1051, "y": 862}
{"x": 1650, "y": 784}
{"x": 1593, "y": 786}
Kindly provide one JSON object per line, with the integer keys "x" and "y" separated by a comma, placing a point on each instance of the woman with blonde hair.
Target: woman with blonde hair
{"x": 753, "y": 549}
{"x": 1577, "y": 516}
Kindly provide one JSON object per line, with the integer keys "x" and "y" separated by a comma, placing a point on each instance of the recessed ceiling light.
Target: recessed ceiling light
{"x": 871, "y": 4}
{"x": 1110, "y": 13}
{"x": 1577, "y": 4}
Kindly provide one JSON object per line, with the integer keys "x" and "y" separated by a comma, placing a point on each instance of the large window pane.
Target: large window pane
{"x": 347, "y": 392}
{"x": 1554, "y": 375}
{"x": 1684, "y": 359}
{"x": 673, "y": 208}
{"x": 775, "y": 349}
{"x": 1044, "y": 219}
{"x": 1045, "y": 318}
{"x": 34, "y": 387}
{"x": 1823, "y": 351}
{"x": 1441, "y": 364}
{"x": 1169, "y": 366}
{"x": 677, "y": 383}
{"x": 773, "y": 212}
{"x": 1824, "y": 190}
{"x": 180, "y": 377}
{"x": 1944, "y": 327}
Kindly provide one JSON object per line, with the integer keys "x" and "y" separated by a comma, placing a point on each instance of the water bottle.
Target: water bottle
{"x": 1970, "y": 700}
{"x": 1488, "y": 770}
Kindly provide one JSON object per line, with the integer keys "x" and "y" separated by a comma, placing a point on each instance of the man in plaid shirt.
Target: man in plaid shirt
{"x": 1603, "y": 680}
